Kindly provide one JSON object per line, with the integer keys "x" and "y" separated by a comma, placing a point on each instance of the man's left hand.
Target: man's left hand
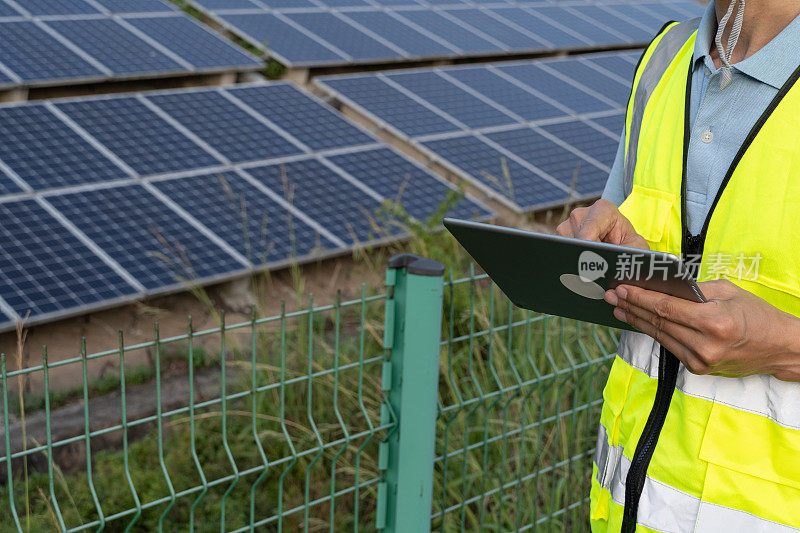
{"x": 734, "y": 334}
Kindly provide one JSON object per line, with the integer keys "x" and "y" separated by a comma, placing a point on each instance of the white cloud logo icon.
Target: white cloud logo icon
{"x": 591, "y": 266}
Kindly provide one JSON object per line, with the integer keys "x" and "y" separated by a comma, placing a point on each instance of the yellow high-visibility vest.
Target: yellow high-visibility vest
{"x": 728, "y": 456}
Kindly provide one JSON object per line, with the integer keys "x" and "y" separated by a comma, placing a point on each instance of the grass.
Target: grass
{"x": 291, "y": 437}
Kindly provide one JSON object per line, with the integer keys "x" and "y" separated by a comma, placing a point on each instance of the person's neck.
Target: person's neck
{"x": 763, "y": 21}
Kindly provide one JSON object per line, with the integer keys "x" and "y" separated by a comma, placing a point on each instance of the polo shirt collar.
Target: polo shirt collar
{"x": 773, "y": 64}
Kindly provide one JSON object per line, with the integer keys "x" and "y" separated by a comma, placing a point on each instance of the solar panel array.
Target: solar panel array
{"x": 47, "y": 42}
{"x": 314, "y": 33}
{"x": 528, "y": 133}
{"x": 108, "y": 199}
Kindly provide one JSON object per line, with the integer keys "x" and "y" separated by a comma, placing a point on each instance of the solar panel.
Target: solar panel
{"x": 506, "y": 93}
{"x": 607, "y": 86}
{"x": 399, "y": 33}
{"x": 394, "y": 177}
{"x": 150, "y": 241}
{"x": 345, "y": 210}
{"x": 553, "y": 158}
{"x": 291, "y": 44}
{"x": 136, "y": 179}
{"x": 256, "y": 225}
{"x": 500, "y": 31}
{"x": 337, "y": 32}
{"x": 45, "y": 269}
{"x": 552, "y": 34}
{"x": 34, "y": 55}
{"x": 343, "y": 36}
{"x": 114, "y": 46}
{"x": 306, "y": 119}
{"x": 455, "y": 101}
{"x": 559, "y": 90}
{"x": 497, "y": 171}
{"x": 583, "y": 137}
{"x": 137, "y": 135}
{"x": 233, "y": 132}
{"x": 391, "y": 106}
{"x": 616, "y": 64}
{"x": 193, "y": 42}
{"x": 612, "y": 123}
{"x": 136, "y": 6}
{"x": 459, "y": 35}
{"x": 526, "y": 126}
{"x": 58, "y": 7}
{"x": 46, "y": 153}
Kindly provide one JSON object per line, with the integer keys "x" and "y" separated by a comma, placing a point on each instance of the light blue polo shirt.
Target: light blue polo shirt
{"x": 721, "y": 119}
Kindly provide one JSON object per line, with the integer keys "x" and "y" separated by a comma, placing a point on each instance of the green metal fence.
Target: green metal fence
{"x": 435, "y": 404}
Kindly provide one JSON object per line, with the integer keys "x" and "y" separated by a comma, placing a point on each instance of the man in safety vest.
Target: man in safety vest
{"x": 700, "y": 426}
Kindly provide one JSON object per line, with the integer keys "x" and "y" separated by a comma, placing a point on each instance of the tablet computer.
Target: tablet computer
{"x": 568, "y": 277}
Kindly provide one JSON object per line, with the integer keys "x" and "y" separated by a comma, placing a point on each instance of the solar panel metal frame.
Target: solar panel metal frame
{"x": 240, "y": 169}
{"x": 418, "y": 141}
{"x": 108, "y": 75}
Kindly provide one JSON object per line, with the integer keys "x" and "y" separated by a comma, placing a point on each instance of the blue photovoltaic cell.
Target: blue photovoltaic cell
{"x": 136, "y": 6}
{"x": 214, "y": 5}
{"x": 226, "y": 127}
{"x": 194, "y": 43}
{"x": 614, "y": 64}
{"x": 343, "y": 36}
{"x": 458, "y": 103}
{"x": 150, "y": 241}
{"x": 343, "y": 3}
{"x": 586, "y": 139}
{"x": 229, "y": 205}
{"x": 7, "y": 185}
{"x": 498, "y": 30}
{"x": 47, "y": 153}
{"x": 5, "y": 80}
{"x": 399, "y": 33}
{"x": 613, "y": 123}
{"x": 312, "y": 123}
{"x": 58, "y": 7}
{"x": 562, "y": 91}
{"x": 645, "y": 18}
{"x": 496, "y": 171}
{"x": 137, "y": 135}
{"x": 555, "y": 160}
{"x": 7, "y": 11}
{"x": 267, "y": 31}
{"x": 504, "y": 92}
{"x": 663, "y": 10}
{"x": 591, "y": 78}
{"x": 45, "y": 269}
{"x": 392, "y": 106}
{"x": 596, "y": 35}
{"x": 601, "y": 16}
{"x": 34, "y": 55}
{"x": 692, "y": 9}
{"x": 336, "y": 204}
{"x": 114, "y": 46}
{"x": 452, "y": 32}
{"x": 398, "y": 2}
{"x": 557, "y": 37}
{"x": 397, "y": 179}
{"x": 288, "y": 3}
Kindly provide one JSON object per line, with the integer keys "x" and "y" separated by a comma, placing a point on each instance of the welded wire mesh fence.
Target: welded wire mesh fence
{"x": 276, "y": 424}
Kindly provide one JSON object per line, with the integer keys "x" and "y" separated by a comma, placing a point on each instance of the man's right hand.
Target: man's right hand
{"x": 602, "y": 222}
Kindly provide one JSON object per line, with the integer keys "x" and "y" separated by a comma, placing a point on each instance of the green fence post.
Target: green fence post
{"x": 410, "y": 380}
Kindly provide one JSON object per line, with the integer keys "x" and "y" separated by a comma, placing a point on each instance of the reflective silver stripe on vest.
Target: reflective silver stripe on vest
{"x": 762, "y": 395}
{"x": 661, "y": 507}
{"x": 664, "y": 508}
{"x": 665, "y": 51}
